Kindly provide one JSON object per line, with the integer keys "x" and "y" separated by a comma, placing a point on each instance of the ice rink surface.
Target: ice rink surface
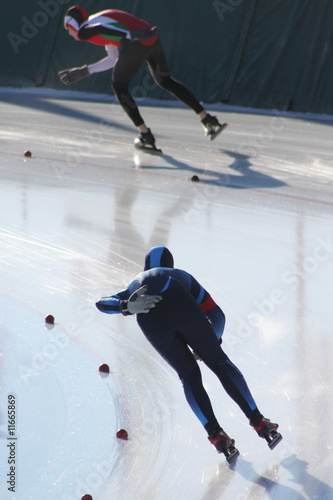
{"x": 76, "y": 222}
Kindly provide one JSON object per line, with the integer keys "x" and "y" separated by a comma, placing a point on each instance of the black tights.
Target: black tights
{"x": 131, "y": 56}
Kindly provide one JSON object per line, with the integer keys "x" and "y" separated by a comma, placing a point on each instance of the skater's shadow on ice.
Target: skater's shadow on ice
{"x": 268, "y": 483}
{"x": 55, "y": 105}
{"x": 242, "y": 164}
{"x": 223, "y": 475}
{"x": 245, "y": 178}
{"x": 313, "y": 487}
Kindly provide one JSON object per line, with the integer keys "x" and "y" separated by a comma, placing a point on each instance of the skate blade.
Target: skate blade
{"x": 147, "y": 149}
{"x": 231, "y": 455}
{"x": 274, "y": 440}
{"x": 213, "y": 135}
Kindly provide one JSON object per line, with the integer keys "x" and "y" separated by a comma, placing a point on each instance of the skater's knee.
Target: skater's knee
{"x": 164, "y": 81}
{"x": 124, "y": 97}
{"x": 215, "y": 359}
{"x": 190, "y": 375}
{"x": 119, "y": 88}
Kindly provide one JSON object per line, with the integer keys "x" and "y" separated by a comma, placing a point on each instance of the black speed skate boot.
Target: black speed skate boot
{"x": 267, "y": 430}
{"x": 223, "y": 443}
{"x": 212, "y": 126}
{"x": 146, "y": 142}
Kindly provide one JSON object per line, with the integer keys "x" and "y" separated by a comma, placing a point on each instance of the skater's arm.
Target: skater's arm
{"x": 106, "y": 63}
{"x": 86, "y": 32}
{"x": 129, "y": 303}
{"x": 113, "y": 304}
{"x": 89, "y": 31}
{"x": 69, "y": 76}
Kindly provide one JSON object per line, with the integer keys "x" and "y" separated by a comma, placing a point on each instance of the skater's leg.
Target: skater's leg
{"x": 174, "y": 350}
{"x": 182, "y": 93}
{"x": 233, "y": 382}
{"x": 159, "y": 69}
{"x": 197, "y": 332}
{"x": 127, "y": 102}
{"x": 209, "y": 350}
{"x": 236, "y": 386}
{"x": 178, "y": 355}
{"x": 178, "y": 312}
{"x": 162, "y": 327}
{"x": 131, "y": 57}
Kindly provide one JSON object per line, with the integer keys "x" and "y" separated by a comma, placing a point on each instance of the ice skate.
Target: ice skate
{"x": 212, "y": 126}
{"x": 267, "y": 430}
{"x": 146, "y": 142}
{"x": 223, "y": 444}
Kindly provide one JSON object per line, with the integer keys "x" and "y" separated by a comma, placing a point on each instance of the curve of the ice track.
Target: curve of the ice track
{"x": 67, "y": 415}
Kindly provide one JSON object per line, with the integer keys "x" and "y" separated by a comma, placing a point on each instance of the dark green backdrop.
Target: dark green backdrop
{"x": 256, "y": 53}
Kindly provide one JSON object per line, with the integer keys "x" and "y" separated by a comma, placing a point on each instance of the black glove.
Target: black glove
{"x": 143, "y": 34}
{"x": 69, "y": 76}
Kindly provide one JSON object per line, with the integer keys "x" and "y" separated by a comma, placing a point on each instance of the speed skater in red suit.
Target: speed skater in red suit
{"x": 129, "y": 42}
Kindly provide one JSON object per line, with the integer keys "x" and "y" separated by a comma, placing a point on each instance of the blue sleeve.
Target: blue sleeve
{"x": 87, "y": 32}
{"x": 111, "y": 305}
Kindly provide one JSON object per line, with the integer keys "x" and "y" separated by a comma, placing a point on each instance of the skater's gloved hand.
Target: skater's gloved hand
{"x": 69, "y": 76}
{"x": 143, "y": 34}
{"x": 139, "y": 303}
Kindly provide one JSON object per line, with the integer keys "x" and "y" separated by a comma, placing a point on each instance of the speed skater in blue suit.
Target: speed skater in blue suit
{"x": 183, "y": 323}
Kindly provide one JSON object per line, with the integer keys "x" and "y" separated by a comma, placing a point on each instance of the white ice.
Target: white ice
{"x": 76, "y": 221}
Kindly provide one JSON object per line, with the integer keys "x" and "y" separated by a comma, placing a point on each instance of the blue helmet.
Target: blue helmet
{"x": 158, "y": 257}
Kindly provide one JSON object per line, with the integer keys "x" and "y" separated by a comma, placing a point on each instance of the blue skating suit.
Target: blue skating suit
{"x": 186, "y": 317}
